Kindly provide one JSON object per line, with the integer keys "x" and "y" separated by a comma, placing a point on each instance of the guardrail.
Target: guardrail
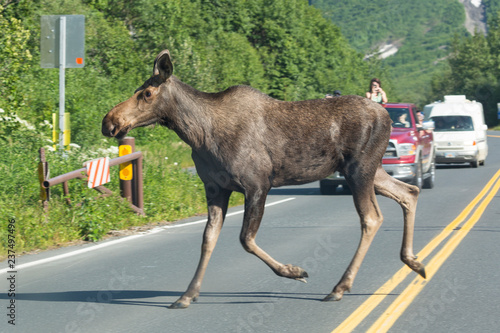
{"x": 131, "y": 188}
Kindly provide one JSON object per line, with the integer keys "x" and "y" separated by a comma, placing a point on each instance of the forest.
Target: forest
{"x": 473, "y": 70}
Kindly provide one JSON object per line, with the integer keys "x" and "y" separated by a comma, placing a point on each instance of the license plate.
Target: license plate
{"x": 449, "y": 155}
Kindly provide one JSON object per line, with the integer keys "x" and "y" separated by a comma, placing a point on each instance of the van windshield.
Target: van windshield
{"x": 400, "y": 117}
{"x": 452, "y": 123}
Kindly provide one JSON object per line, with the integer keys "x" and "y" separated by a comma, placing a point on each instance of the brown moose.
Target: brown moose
{"x": 245, "y": 141}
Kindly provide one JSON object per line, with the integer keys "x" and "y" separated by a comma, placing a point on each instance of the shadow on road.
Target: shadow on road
{"x": 144, "y": 297}
{"x": 291, "y": 191}
{"x": 453, "y": 166}
{"x": 294, "y": 191}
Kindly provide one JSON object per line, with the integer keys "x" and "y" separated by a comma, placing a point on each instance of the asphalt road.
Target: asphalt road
{"x": 126, "y": 284}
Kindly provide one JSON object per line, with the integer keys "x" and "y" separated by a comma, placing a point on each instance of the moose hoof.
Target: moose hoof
{"x": 333, "y": 297}
{"x": 179, "y": 305}
{"x": 294, "y": 272}
{"x": 421, "y": 271}
{"x": 417, "y": 267}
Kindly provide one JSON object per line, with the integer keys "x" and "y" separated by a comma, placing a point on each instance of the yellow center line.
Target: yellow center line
{"x": 351, "y": 322}
{"x": 494, "y": 136}
{"x": 396, "y": 309}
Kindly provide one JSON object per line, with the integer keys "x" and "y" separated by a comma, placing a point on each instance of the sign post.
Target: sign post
{"x": 62, "y": 78}
{"x": 62, "y": 46}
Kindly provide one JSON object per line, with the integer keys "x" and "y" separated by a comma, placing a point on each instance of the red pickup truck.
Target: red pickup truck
{"x": 410, "y": 155}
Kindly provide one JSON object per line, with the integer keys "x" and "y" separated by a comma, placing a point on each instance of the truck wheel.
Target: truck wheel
{"x": 429, "y": 181}
{"x": 327, "y": 189}
{"x": 418, "y": 180}
{"x": 474, "y": 164}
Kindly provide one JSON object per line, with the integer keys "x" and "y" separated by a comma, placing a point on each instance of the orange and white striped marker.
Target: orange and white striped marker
{"x": 98, "y": 172}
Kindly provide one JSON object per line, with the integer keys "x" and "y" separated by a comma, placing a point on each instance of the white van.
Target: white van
{"x": 460, "y": 130}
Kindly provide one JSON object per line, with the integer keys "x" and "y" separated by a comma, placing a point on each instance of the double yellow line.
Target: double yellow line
{"x": 396, "y": 309}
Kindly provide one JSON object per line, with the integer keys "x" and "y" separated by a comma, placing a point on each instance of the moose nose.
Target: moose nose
{"x": 108, "y": 129}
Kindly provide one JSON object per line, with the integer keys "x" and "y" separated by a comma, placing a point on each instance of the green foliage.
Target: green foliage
{"x": 284, "y": 48}
{"x": 421, "y": 29}
{"x": 14, "y": 57}
{"x": 369, "y": 23}
{"x": 491, "y": 8}
{"x": 473, "y": 70}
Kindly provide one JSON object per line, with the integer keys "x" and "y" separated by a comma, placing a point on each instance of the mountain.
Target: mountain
{"x": 475, "y": 15}
{"x": 412, "y": 38}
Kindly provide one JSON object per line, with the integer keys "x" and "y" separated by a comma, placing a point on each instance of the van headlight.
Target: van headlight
{"x": 407, "y": 149}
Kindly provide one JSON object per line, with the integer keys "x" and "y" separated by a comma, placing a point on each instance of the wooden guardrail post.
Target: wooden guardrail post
{"x": 138, "y": 197}
{"x": 126, "y": 146}
{"x": 43, "y": 174}
{"x": 131, "y": 174}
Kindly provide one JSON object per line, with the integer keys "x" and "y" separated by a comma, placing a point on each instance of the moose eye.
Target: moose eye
{"x": 147, "y": 93}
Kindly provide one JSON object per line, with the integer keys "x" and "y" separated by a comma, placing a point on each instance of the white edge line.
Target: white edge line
{"x": 120, "y": 240}
{"x": 70, "y": 254}
{"x": 227, "y": 215}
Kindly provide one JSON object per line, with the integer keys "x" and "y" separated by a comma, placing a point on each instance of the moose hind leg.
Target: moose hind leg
{"x": 254, "y": 210}
{"x": 406, "y": 196}
{"x": 217, "y": 208}
{"x": 371, "y": 220}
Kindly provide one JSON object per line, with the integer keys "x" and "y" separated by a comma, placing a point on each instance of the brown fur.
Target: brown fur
{"x": 243, "y": 140}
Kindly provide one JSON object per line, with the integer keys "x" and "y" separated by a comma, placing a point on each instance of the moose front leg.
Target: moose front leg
{"x": 254, "y": 209}
{"x": 217, "y": 208}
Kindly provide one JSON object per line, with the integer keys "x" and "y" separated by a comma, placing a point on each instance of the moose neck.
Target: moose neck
{"x": 189, "y": 113}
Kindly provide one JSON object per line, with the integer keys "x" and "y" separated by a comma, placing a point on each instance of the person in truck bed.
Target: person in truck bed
{"x": 375, "y": 92}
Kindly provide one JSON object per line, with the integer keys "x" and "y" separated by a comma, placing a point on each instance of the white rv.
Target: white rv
{"x": 460, "y": 130}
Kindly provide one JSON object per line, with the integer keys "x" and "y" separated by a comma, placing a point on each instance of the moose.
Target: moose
{"x": 245, "y": 141}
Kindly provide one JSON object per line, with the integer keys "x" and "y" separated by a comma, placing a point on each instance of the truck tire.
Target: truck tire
{"x": 474, "y": 164}
{"x": 327, "y": 189}
{"x": 429, "y": 181}
{"x": 419, "y": 178}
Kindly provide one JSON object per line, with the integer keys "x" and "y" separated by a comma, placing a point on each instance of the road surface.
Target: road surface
{"x": 126, "y": 284}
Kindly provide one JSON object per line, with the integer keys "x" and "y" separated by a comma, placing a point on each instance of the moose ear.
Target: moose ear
{"x": 163, "y": 66}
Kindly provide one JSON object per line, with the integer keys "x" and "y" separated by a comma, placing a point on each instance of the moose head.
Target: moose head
{"x": 146, "y": 105}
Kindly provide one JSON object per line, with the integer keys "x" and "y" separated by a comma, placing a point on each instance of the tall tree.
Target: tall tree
{"x": 473, "y": 70}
